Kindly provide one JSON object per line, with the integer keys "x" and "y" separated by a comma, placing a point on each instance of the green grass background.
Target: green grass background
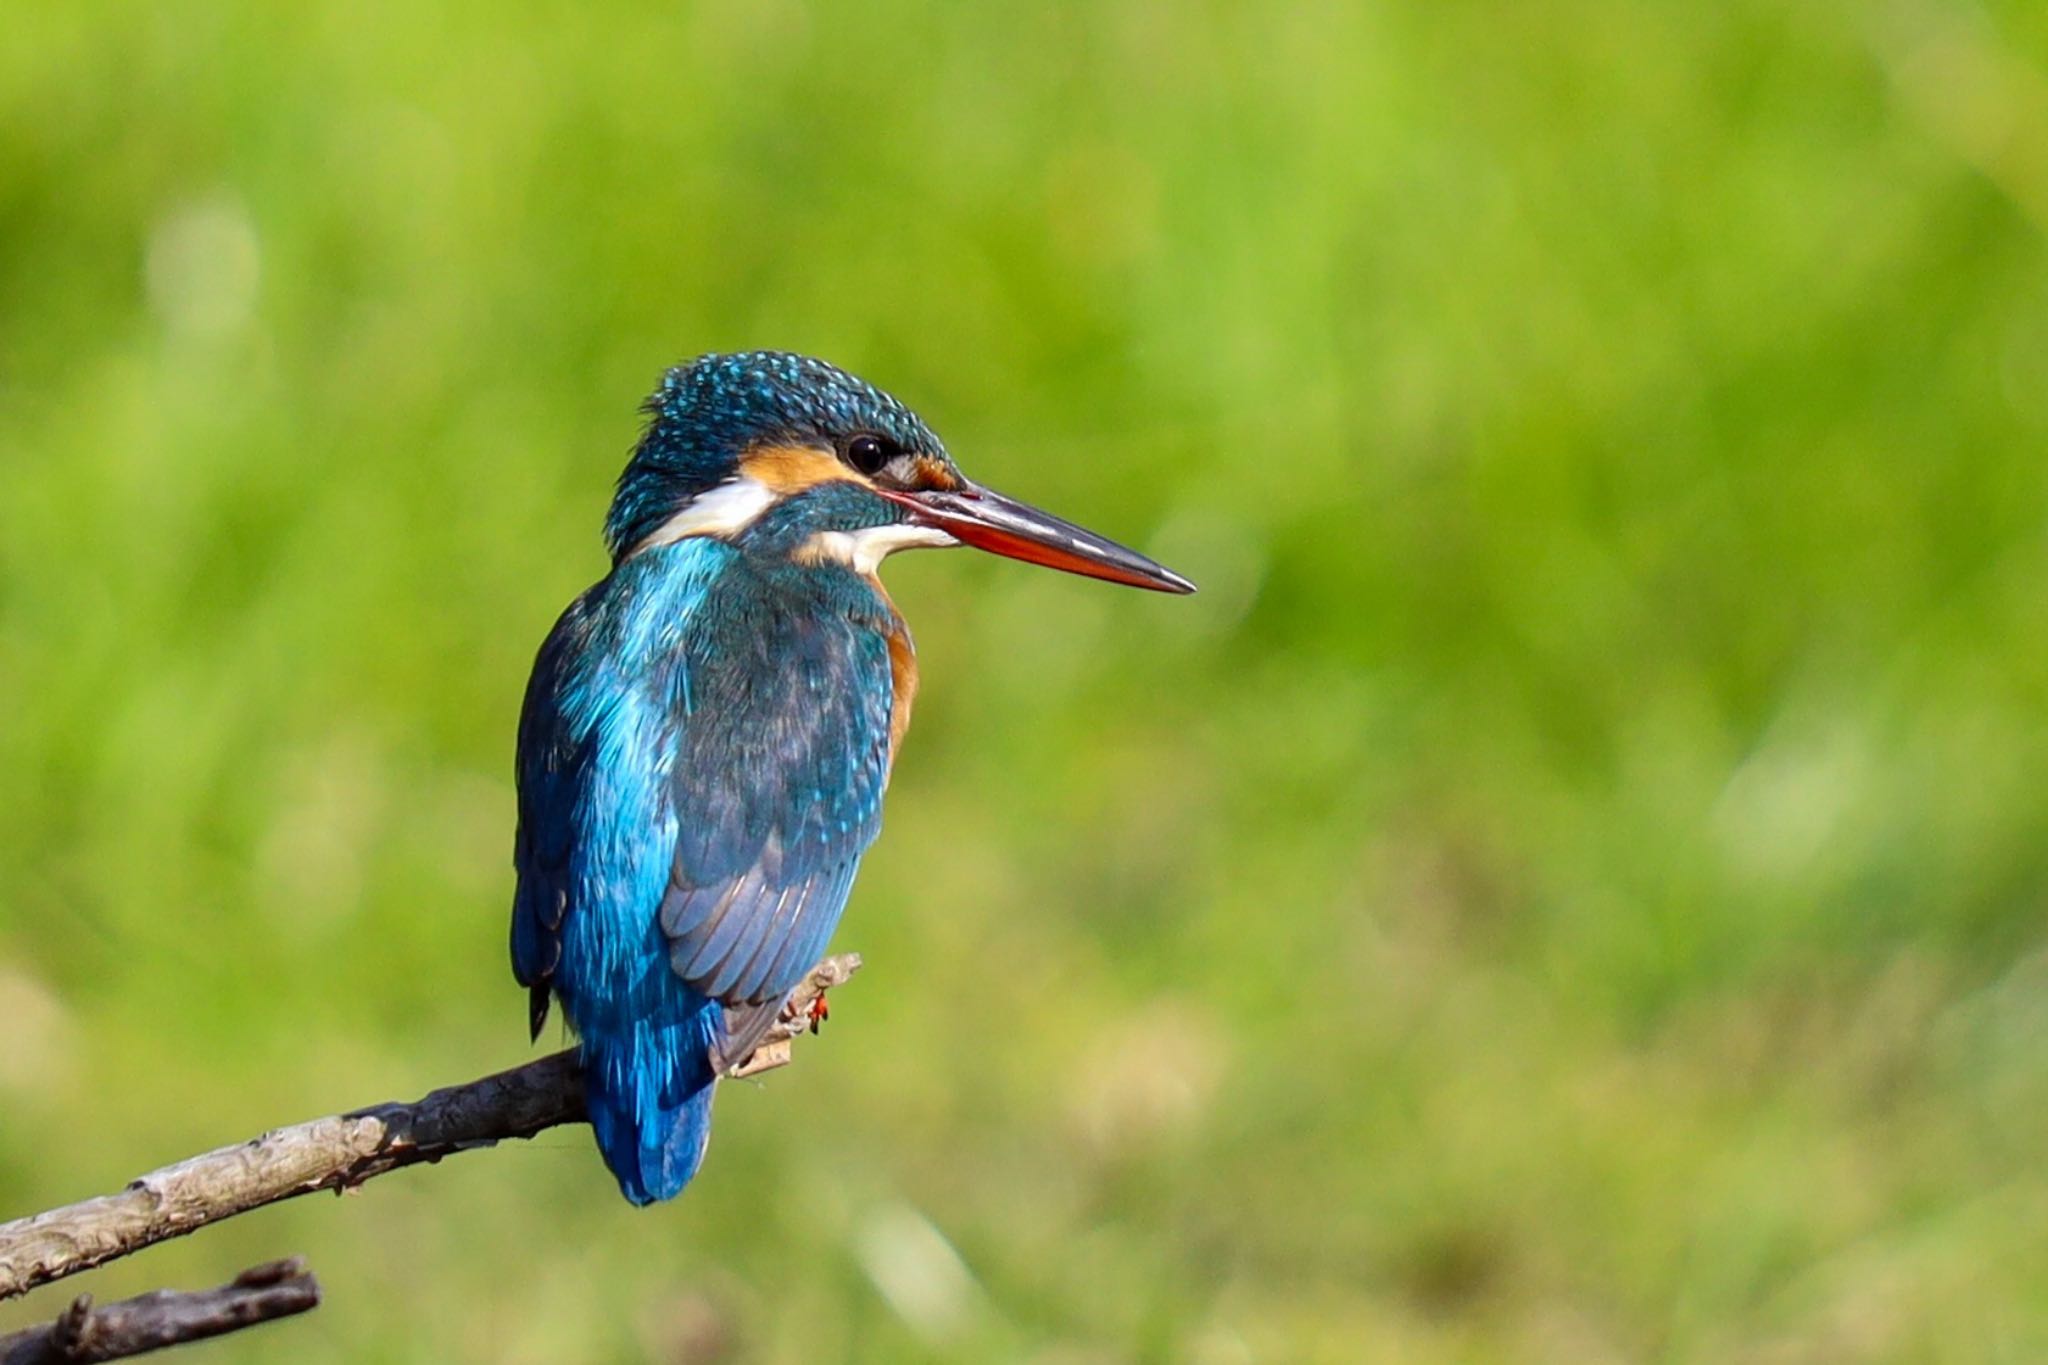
{"x": 1571, "y": 888}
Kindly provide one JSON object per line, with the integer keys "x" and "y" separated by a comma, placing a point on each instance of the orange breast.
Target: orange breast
{"x": 902, "y": 670}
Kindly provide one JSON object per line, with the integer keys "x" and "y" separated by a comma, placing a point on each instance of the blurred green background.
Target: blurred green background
{"x": 1573, "y": 887}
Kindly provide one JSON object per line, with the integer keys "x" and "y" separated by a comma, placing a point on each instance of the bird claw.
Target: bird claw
{"x": 818, "y": 1012}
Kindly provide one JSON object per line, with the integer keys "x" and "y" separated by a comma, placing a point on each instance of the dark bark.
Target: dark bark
{"x": 163, "y": 1318}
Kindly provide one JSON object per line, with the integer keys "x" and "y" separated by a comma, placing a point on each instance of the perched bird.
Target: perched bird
{"x": 708, "y": 731}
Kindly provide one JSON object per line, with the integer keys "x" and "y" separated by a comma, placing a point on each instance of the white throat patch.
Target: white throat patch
{"x": 865, "y": 549}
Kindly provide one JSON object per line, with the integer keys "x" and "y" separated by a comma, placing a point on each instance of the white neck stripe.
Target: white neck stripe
{"x": 724, "y": 510}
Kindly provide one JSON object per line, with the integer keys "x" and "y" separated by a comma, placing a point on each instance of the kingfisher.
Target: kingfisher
{"x": 708, "y": 731}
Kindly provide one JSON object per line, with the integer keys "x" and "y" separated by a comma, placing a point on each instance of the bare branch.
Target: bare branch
{"x": 153, "y": 1321}
{"x": 335, "y": 1153}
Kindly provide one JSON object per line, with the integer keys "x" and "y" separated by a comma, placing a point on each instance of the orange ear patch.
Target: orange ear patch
{"x": 792, "y": 469}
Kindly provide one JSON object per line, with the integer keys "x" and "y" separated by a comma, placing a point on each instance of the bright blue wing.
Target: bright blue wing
{"x": 597, "y": 740}
{"x": 778, "y": 782}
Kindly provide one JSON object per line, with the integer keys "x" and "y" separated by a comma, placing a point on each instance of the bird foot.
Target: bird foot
{"x": 818, "y": 1012}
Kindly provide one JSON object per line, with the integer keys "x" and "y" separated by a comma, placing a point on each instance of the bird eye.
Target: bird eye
{"x": 869, "y": 453}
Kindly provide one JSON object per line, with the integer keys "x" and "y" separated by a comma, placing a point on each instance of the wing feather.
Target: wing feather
{"x": 778, "y": 790}
{"x": 550, "y": 761}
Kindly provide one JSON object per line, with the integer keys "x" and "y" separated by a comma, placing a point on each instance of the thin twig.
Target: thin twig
{"x": 166, "y": 1317}
{"x": 334, "y": 1153}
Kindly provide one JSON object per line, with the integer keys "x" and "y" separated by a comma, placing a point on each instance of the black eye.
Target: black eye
{"x": 869, "y": 453}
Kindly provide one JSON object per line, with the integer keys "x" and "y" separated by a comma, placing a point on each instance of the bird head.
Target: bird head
{"x": 785, "y": 452}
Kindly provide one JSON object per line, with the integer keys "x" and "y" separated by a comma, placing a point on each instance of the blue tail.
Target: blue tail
{"x": 648, "y": 1086}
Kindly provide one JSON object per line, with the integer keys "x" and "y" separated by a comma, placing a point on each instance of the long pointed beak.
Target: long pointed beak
{"x": 990, "y": 521}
